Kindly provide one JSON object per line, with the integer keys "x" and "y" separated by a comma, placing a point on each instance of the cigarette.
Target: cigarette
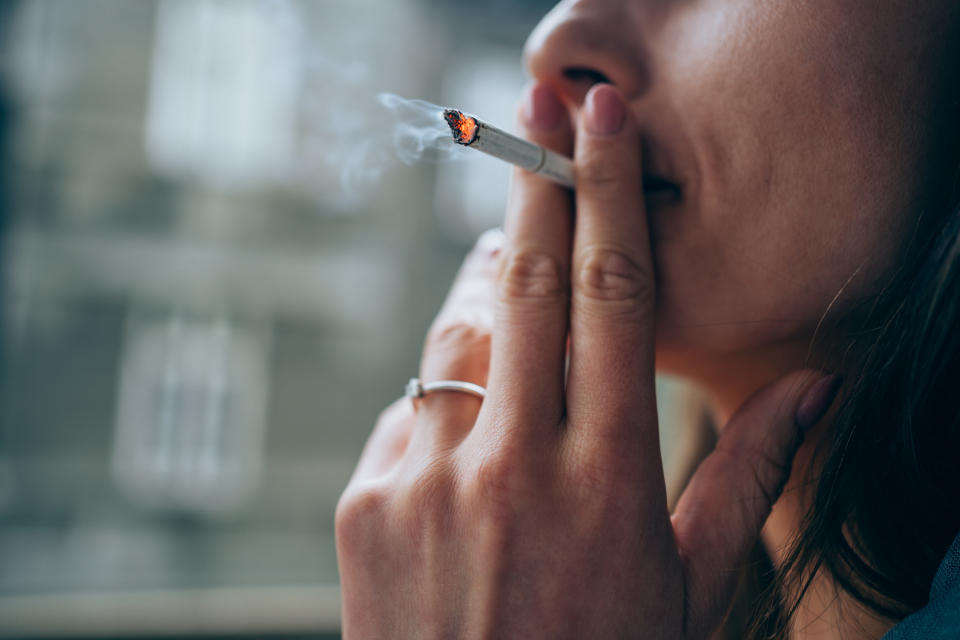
{"x": 477, "y": 134}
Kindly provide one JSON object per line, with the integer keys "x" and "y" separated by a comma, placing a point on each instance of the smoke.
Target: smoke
{"x": 419, "y": 130}
{"x": 348, "y": 137}
{"x": 359, "y": 144}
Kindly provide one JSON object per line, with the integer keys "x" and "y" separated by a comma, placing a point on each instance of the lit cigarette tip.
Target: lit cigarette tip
{"x": 464, "y": 128}
{"x": 482, "y": 136}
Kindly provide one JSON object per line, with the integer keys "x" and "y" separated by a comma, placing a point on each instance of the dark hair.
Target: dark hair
{"x": 886, "y": 504}
{"x": 886, "y": 498}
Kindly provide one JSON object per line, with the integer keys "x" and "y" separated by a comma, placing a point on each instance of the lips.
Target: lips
{"x": 656, "y": 183}
{"x": 659, "y": 190}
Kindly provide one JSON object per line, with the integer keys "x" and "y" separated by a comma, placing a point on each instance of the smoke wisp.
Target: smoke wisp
{"x": 360, "y": 145}
{"x": 419, "y": 131}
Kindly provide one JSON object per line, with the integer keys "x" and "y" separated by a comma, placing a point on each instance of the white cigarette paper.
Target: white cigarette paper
{"x": 477, "y": 134}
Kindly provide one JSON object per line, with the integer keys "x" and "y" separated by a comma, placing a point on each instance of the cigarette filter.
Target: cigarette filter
{"x": 477, "y": 134}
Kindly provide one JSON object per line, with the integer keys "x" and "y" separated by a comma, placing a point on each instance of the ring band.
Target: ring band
{"x": 417, "y": 389}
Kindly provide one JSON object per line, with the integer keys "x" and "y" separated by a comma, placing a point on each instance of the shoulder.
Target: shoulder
{"x": 940, "y": 618}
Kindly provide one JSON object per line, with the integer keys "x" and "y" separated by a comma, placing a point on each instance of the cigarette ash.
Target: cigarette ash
{"x": 464, "y": 128}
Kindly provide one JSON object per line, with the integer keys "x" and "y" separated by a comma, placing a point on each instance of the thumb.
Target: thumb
{"x": 719, "y": 516}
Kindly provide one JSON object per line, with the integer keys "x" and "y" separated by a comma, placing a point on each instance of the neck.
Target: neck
{"x": 824, "y": 613}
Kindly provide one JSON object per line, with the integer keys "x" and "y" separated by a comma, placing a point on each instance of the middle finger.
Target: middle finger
{"x": 610, "y": 392}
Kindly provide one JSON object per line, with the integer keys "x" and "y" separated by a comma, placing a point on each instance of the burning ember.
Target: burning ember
{"x": 464, "y": 128}
{"x": 482, "y": 136}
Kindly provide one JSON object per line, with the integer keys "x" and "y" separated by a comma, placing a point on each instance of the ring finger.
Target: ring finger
{"x": 458, "y": 347}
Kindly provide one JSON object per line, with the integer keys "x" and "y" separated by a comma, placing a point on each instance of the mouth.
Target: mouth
{"x": 658, "y": 190}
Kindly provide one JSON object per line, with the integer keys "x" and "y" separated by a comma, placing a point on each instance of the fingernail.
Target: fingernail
{"x": 606, "y": 112}
{"x": 489, "y": 244}
{"x": 542, "y": 110}
{"x": 816, "y": 401}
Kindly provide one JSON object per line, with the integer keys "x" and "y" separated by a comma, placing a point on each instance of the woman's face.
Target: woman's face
{"x": 798, "y": 138}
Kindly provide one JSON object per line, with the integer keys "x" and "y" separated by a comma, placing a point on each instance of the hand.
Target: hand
{"x": 541, "y": 513}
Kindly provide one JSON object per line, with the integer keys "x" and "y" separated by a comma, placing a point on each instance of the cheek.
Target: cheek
{"x": 806, "y": 189}
{"x": 720, "y": 294}
{"x": 763, "y": 277}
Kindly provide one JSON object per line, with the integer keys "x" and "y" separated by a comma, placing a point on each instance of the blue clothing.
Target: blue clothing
{"x": 940, "y": 618}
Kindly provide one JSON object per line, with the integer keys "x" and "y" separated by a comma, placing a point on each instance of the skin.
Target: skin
{"x": 798, "y": 138}
{"x": 795, "y": 131}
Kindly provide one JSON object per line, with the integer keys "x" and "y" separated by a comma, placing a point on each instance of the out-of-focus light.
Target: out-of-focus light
{"x": 224, "y": 90}
{"x": 190, "y": 415}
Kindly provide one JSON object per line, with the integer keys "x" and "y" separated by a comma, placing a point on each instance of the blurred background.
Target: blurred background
{"x": 213, "y": 281}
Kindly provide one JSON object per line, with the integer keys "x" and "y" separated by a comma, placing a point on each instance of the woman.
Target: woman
{"x": 765, "y": 205}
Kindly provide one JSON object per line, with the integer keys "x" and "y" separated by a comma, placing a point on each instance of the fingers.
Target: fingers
{"x": 530, "y": 324}
{"x": 460, "y": 334}
{"x": 458, "y": 346}
{"x": 719, "y": 516}
{"x": 611, "y": 380}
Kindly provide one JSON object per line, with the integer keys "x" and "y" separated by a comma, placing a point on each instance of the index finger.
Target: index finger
{"x": 530, "y": 324}
{"x": 610, "y": 389}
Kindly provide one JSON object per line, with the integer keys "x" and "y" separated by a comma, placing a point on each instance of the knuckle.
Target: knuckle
{"x": 609, "y": 274}
{"x": 358, "y": 513}
{"x": 431, "y": 495}
{"x": 769, "y": 474}
{"x": 767, "y": 469}
{"x": 497, "y": 488}
{"x": 532, "y": 275}
{"x": 598, "y": 174}
{"x": 493, "y": 476}
{"x": 457, "y": 336}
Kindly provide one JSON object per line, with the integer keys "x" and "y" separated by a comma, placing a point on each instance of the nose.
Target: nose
{"x": 584, "y": 42}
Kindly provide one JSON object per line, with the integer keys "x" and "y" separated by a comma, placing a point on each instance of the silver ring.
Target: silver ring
{"x": 417, "y": 389}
